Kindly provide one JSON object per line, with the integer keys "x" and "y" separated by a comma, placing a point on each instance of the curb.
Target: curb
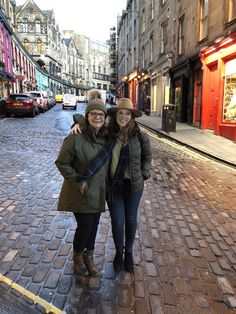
{"x": 49, "y": 308}
{"x": 166, "y": 135}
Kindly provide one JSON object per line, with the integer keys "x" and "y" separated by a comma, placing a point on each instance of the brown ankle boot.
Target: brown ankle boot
{"x": 118, "y": 263}
{"x": 129, "y": 263}
{"x": 79, "y": 266}
{"x": 88, "y": 260}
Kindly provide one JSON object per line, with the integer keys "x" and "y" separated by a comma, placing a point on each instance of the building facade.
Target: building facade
{"x": 113, "y": 59}
{"x": 127, "y": 52}
{"x": 41, "y": 37}
{"x": 6, "y": 66}
{"x": 186, "y": 56}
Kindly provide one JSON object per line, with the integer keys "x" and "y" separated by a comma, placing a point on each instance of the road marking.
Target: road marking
{"x": 50, "y": 308}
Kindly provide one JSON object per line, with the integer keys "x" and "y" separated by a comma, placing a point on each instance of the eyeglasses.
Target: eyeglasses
{"x": 97, "y": 114}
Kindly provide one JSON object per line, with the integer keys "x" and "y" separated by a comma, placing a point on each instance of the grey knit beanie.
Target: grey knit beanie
{"x": 95, "y": 102}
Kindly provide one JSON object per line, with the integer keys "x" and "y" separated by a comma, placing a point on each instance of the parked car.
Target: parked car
{"x": 21, "y": 104}
{"x": 41, "y": 99}
{"x": 69, "y": 100}
{"x": 51, "y": 101}
{"x": 59, "y": 98}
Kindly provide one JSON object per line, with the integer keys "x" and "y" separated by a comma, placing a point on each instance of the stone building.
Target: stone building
{"x": 127, "y": 51}
{"x": 186, "y": 56}
{"x": 203, "y": 72}
{"x": 57, "y": 56}
{"x": 113, "y": 59}
{"x": 94, "y": 66}
{"x": 6, "y": 64}
{"x": 100, "y": 65}
{"x": 40, "y": 35}
{"x": 74, "y": 62}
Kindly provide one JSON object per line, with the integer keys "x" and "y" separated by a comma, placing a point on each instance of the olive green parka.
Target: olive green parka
{"x": 140, "y": 160}
{"x": 74, "y": 157}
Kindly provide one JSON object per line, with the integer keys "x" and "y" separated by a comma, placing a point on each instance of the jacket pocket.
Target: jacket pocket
{"x": 83, "y": 188}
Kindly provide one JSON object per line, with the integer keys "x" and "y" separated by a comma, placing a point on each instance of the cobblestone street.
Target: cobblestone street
{"x": 185, "y": 248}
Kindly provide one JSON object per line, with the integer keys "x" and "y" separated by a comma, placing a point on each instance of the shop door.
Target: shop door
{"x": 197, "y": 99}
{"x": 213, "y": 92}
{"x": 154, "y": 99}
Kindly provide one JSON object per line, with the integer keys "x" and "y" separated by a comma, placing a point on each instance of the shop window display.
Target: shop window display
{"x": 229, "y": 104}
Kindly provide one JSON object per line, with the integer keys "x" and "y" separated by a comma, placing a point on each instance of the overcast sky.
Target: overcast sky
{"x": 92, "y": 18}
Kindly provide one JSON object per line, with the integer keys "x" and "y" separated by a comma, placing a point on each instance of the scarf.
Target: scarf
{"x": 97, "y": 162}
{"x": 118, "y": 178}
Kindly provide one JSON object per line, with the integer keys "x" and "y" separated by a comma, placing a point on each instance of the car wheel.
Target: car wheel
{"x": 33, "y": 113}
{"x": 75, "y": 107}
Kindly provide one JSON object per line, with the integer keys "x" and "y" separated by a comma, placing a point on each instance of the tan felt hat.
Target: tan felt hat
{"x": 124, "y": 103}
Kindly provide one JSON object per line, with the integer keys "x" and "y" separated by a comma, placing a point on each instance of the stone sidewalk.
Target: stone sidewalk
{"x": 204, "y": 141}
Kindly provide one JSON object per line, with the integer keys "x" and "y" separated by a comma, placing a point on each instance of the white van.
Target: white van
{"x": 69, "y": 100}
{"x": 82, "y": 98}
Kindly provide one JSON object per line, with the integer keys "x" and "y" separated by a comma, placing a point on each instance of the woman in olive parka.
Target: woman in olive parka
{"x": 84, "y": 198}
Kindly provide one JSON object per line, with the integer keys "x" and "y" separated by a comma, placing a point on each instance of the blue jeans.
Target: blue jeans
{"x": 123, "y": 211}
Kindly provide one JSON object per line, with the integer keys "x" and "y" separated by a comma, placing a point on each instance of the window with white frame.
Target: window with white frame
{"x": 26, "y": 43}
{"x": 203, "y": 21}
{"x": 162, "y": 2}
{"x": 135, "y": 57}
{"x": 181, "y": 36}
{"x": 163, "y": 34}
{"x": 143, "y": 56}
{"x": 39, "y": 45}
{"x": 151, "y": 49}
{"x": 37, "y": 26}
{"x": 152, "y": 10}
{"x": 135, "y": 29}
{"x": 143, "y": 21}
{"x": 231, "y": 10}
{"x": 24, "y": 26}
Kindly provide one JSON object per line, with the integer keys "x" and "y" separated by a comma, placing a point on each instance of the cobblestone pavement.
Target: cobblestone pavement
{"x": 185, "y": 248}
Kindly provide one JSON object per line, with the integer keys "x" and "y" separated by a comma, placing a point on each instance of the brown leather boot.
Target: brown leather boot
{"x": 129, "y": 263}
{"x": 88, "y": 260}
{"x": 79, "y": 266}
{"x": 118, "y": 263}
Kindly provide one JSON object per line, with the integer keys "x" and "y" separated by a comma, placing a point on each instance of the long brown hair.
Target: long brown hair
{"x": 126, "y": 132}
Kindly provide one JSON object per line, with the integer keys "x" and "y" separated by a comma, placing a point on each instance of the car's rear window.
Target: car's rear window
{"x": 19, "y": 97}
{"x": 36, "y": 94}
{"x": 69, "y": 97}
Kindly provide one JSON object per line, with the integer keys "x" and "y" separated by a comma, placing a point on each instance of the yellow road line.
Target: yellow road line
{"x": 50, "y": 308}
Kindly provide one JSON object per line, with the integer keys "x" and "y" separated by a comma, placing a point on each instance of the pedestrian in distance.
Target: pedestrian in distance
{"x": 83, "y": 189}
{"x": 129, "y": 167}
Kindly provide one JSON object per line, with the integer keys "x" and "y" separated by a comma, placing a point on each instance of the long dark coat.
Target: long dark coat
{"x": 74, "y": 157}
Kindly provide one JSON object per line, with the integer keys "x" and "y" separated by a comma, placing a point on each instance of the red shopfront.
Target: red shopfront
{"x": 132, "y": 83}
{"x": 219, "y": 87}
